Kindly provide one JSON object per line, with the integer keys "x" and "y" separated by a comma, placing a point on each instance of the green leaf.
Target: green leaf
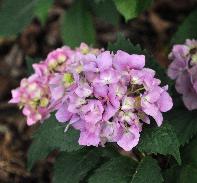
{"x": 187, "y": 30}
{"x": 189, "y": 153}
{"x": 124, "y": 44}
{"x": 42, "y": 8}
{"x": 106, "y": 11}
{"x": 51, "y": 136}
{"x": 188, "y": 174}
{"x": 132, "y": 8}
{"x": 72, "y": 168}
{"x": 77, "y": 25}
{"x": 161, "y": 140}
{"x": 147, "y": 171}
{"x": 127, "y": 46}
{"x": 172, "y": 174}
{"x": 183, "y": 174}
{"x": 109, "y": 151}
{"x": 15, "y": 16}
{"x": 98, "y": 1}
{"x": 184, "y": 123}
{"x": 117, "y": 170}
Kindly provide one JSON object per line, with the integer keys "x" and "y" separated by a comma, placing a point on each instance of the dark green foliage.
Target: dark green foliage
{"x": 15, "y": 16}
{"x": 41, "y": 9}
{"x": 106, "y": 11}
{"x": 132, "y": 8}
{"x": 184, "y": 174}
{"x": 162, "y": 140}
{"x": 77, "y": 25}
{"x": 51, "y": 136}
{"x": 117, "y": 170}
{"x": 147, "y": 171}
{"x": 184, "y": 123}
{"x": 188, "y": 174}
{"x": 187, "y": 30}
{"x": 124, "y": 44}
{"x": 73, "y": 167}
{"x": 189, "y": 153}
{"x": 172, "y": 174}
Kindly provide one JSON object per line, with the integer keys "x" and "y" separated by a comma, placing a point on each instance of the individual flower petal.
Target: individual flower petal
{"x": 129, "y": 139}
{"x": 110, "y": 76}
{"x": 75, "y": 103}
{"x": 112, "y": 131}
{"x": 118, "y": 90}
{"x": 100, "y": 90}
{"x": 165, "y": 102}
{"x": 190, "y": 100}
{"x": 92, "y": 111}
{"x": 89, "y": 139}
{"x": 84, "y": 90}
{"x": 63, "y": 115}
{"x": 104, "y": 61}
{"x": 152, "y": 110}
{"x": 183, "y": 83}
{"x": 124, "y": 61}
{"x": 110, "y": 110}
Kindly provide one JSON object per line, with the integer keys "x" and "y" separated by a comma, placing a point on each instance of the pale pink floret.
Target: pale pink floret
{"x": 34, "y": 98}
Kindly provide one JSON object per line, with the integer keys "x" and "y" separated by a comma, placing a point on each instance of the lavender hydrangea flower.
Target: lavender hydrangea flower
{"x": 106, "y": 96}
{"x": 183, "y": 69}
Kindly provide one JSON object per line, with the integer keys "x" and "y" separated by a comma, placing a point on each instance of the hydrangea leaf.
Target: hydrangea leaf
{"x": 131, "y": 9}
{"x": 189, "y": 153}
{"x": 162, "y": 140}
{"x": 15, "y": 16}
{"x": 172, "y": 174}
{"x": 51, "y": 136}
{"x": 124, "y": 44}
{"x": 184, "y": 123}
{"x": 72, "y": 168}
{"x": 117, "y": 170}
{"x": 188, "y": 29}
{"x": 77, "y": 25}
{"x": 147, "y": 171}
{"x": 188, "y": 174}
{"x": 98, "y": 1}
{"x": 183, "y": 174}
{"x": 42, "y": 8}
{"x": 106, "y": 11}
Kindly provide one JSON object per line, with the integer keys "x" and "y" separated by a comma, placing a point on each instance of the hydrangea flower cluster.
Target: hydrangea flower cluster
{"x": 183, "y": 69}
{"x": 34, "y": 95}
{"x": 106, "y": 96}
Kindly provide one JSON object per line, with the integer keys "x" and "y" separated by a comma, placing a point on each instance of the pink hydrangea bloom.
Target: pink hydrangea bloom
{"x": 183, "y": 69}
{"x": 106, "y": 96}
{"x": 112, "y": 96}
{"x": 33, "y": 96}
{"x": 42, "y": 92}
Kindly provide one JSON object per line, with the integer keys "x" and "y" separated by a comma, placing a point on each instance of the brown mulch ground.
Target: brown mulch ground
{"x": 152, "y": 30}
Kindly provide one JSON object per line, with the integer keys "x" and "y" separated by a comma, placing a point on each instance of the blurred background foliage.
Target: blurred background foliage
{"x": 30, "y": 29}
